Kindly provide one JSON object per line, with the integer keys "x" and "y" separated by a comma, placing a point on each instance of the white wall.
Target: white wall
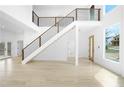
{"x": 71, "y": 43}
{"x": 83, "y": 43}
{"x": 109, "y": 19}
{"x": 85, "y": 27}
{"x": 21, "y": 13}
{"x": 56, "y": 51}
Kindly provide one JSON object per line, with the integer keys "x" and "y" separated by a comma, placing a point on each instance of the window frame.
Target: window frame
{"x": 104, "y": 44}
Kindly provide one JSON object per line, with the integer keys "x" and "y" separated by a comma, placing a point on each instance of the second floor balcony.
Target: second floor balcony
{"x": 78, "y": 14}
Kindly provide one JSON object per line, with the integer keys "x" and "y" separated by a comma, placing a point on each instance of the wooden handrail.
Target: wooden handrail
{"x": 70, "y": 13}
{"x": 37, "y": 37}
{"x": 56, "y": 17}
{"x": 87, "y": 8}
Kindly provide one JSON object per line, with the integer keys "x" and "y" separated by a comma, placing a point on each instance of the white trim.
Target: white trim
{"x": 108, "y": 60}
{"x": 77, "y": 46}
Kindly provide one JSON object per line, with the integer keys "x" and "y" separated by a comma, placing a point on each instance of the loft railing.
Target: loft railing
{"x": 47, "y": 21}
{"x": 80, "y": 14}
{"x": 59, "y": 24}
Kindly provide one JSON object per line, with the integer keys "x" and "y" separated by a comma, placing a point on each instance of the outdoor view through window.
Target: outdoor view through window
{"x": 112, "y": 38}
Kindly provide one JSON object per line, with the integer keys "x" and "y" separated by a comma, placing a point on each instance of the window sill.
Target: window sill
{"x": 108, "y": 60}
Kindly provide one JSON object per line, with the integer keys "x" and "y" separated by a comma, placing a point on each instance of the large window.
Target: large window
{"x": 112, "y": 38}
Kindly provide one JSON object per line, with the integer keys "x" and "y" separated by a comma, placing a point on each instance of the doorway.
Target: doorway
{"x": 2, "y": 49}
{"x": 5, "y": 50}
{"x": 9, "y": 47}
{"x": 91, "y": 48}
{"x": 19, "y": 47}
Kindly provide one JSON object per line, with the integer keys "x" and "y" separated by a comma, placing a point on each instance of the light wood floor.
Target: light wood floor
{"x": 56, "y": 74}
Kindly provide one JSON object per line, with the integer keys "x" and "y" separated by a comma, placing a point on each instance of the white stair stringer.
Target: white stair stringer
{"x": 49, "y": 42}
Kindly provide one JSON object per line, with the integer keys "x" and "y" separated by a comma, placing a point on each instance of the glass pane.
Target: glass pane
{"x": 9, "y": 48}
{"x": 35, "y": 19}
{"x": 83, "y": 15}
{"x": 109, "y": 8}
{"x": 49, "y": 34}
{"x": 72, "y": 14}
{"x": 64, "y": 23}
{"x": 46, "y": 22}
{"x": 112, "y": 38}
{"x": 31, "y": 48}
{"x": 2, "y": 49}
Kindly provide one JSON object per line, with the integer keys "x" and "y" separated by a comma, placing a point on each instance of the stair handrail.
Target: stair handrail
{"x": 48, "y": 29}
{"x": 55, "y": 25}
{"x": 43, "y": 33}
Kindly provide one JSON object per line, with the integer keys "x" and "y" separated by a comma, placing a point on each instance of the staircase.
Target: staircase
{"x": 60, "y": 26}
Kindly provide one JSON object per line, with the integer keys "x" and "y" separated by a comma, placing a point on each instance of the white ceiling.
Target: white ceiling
{"x": 7, "y": 23}
{"x": 56, "y": 10}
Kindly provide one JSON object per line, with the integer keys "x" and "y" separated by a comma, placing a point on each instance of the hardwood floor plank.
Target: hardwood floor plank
{"x": 56, "y": 74}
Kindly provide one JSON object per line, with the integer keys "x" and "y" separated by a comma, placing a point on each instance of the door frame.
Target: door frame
{"x": 91, "y": 58}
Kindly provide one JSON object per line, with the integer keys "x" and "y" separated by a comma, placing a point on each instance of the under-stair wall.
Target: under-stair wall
{"x": 59, "y": 50}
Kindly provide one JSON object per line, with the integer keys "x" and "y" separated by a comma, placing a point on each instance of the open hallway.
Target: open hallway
{"x": 55, "y": 74}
